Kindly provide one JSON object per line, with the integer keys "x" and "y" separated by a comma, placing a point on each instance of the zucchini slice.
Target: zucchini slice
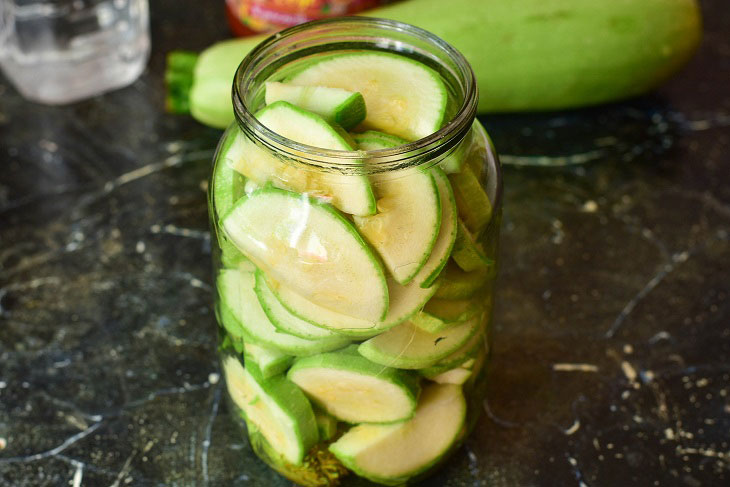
{"x": 349, "y": 193}
{"x": 405, "y": 301}
{"x": 467, "y": 252}
{"x": 408, "y": 347}
{"x": 265, "y": 361}
{"x": 403, "y": 96}
{"x": 454, "y": 283}
{"x": 474, "y": 206}
{"x": 276, "y": 407}
{"x": 446, "y": 239}
{"x": 342, "y": 107}
{"x": 242, "y": 313}
{"x": 391, "y": 454}
{"x": 353, "y": 389}
{"x": 312, "y": 249}
{"x": 281, "y": 318}
{"x": 404, "y": 229}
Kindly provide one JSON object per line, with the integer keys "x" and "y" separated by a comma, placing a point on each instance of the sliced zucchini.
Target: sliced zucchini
{"x": 407, "y": 224}
{"x": 454, "y": 283}
{"x": 391, "y": 454}
{"x": 232, "y": 258}
{"x": 454, "y": 376}
{"x": 444, "y": 244}
{"x": 467, "y": 253}
{"x": 276, "y": 407}
{"x": 460, "y": 357}
{"x": 474, "y": 206}
{"x": 326, "y": 424}
{"x": 408, "y": 347}
{"x": 281, "y": 318}
{"x": 228, "y": 184}
{"x": 353, "y": 389}
{"x": 404, "y": 97}
{"x": 441, "y": 314}
{"x": 242, "y": 313}
{"x": 453, "y": 311}
{"x": 342, "y": 107}
{"x": 350, "y": 193}
{"x": 453, "y": 162}
{"x": 264, "y": 361}
{"x": 312, "y": 249}
{"x": 374, "y": 140}
{"x": 404, "y": 302}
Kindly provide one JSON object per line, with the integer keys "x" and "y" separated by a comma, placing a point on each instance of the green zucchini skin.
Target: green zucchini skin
{"x": 528, "y": 55}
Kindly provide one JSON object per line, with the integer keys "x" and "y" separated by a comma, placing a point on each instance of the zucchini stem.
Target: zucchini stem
{"x": 179, "y": 80}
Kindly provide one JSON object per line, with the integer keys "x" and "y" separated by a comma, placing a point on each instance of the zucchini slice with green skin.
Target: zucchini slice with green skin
{"x": 408, "y": 347}
{"x": 264, "y": 361}
{"x": 453, "y": 162}
{"x": 406, "y": 226}
{"x": 405, "y": 301}
{"x": 460, "y": 357}
{"x": 467, "y": 253}
{"x": 228, "y": 184}
{"x": 391, "y": 454}
{"x": 441, "y": 314}
{"x": 374, "y": 140}
{"x": 404, "y": 97}
{"x": 312, "y": 249}
{"x": 240, "y": 305}
{"x": 444, "y": 244}
{"x": 342, "y": 107}
{"x": 454, "y": 283}
{"x": 282, "y": 319}
{"x": 278, "y": 409}
{"x": 456, "y": 376}
{"x": 326, "y": 424}
{"x": 353, "y": 389}
{"x": 475, "y": 208}
{"x": 227, "y": 188}
{"x": 453, "y": 311}
{"x": 347, "y": 192}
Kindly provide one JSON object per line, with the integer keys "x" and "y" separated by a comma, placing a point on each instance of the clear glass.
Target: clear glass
{"x": 354, "y": 332}
{"x": 61, "y": 51}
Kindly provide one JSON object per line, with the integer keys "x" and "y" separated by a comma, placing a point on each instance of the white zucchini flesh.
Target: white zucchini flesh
{"x": 390, "y": 454}
{"x": 403, "y": 97}
{"x": 312, "y": 249}
{"x": 277, "y": 408}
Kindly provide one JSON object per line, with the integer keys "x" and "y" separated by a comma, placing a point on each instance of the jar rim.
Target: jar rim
{"x": 408, "y": 155}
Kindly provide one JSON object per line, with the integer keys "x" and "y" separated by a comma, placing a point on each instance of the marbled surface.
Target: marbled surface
{"x": 611, "y": 360}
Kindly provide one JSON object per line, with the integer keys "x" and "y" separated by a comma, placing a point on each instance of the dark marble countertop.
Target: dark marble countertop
{"x": 611, "y": 361}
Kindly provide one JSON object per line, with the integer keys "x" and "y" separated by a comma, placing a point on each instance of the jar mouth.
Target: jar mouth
{"x": 421, "y": 151}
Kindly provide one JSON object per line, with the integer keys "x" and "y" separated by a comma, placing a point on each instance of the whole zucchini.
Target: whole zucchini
{"x": 526, "y": 54}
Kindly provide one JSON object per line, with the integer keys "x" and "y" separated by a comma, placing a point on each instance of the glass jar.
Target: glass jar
{"x": 355, "y": 287}
{"x": 62, "y": 51}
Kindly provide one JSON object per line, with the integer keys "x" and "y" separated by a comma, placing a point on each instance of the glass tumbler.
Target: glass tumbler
{"x": 61, "y": 51}
{"x": 354, "y": 286}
